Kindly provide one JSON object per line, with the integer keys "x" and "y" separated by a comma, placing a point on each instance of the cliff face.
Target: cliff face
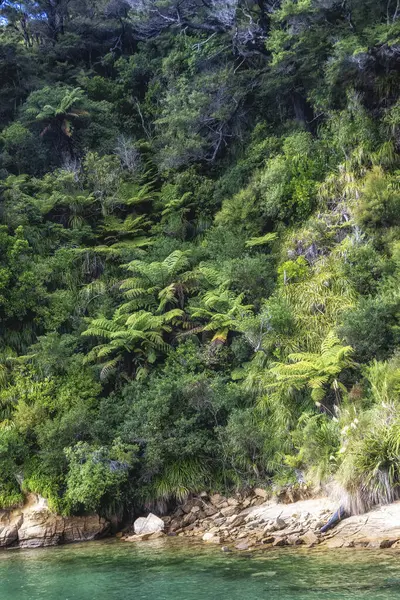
{"x": 34, "y": 525}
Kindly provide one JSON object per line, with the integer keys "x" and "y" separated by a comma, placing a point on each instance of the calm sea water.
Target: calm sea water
{"x": 172, "y": 570}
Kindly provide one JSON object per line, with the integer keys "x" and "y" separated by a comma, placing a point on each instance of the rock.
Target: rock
{"x": 210, "y": 510}
{"x": 231, "y": 519}
{"x": 229, "y": 511}
{"x": 226, "y": 549}
{"x": 82, "y": 529}
{"x": 268, "y": 540}
{"x": 214, "y": 530}
{"x": 149, "y": 524}
{"x": 143, "y": 537}
{"x": 237, "y": 520}
{"x": 242, "y": 545}
{"x": 294, "y": 531}
{"x": 156, "y": 535}
{"x": 175, "y": 524}
{"x": 119, "y": 535}
{"x": 40, "y": 527}
{"x": 280, "y": 541}
{"x": 188, "y": 506}
{"x": 310, "y": 539}
{"x": 381, "y": 544}
{"x": 195, "y": 510}
{"x": 261, "y": 493}
{"x": 189, "y": 519}
{"x": 233, "y": 502}
{"x": 9, "y": 528}
{"x": 279, "y": 524}
{"x": 211, "y": 538}
{"x": 294, "y": 540}
{"x": 336, "y": 542}
{"x": 259, "y": 501}
{"x": 217, "y": 499}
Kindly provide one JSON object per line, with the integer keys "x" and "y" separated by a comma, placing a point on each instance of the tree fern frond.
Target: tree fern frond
{"x": 266, "y": 239}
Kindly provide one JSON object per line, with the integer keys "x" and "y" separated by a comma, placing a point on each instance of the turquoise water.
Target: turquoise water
{"x": 172, "y": 570}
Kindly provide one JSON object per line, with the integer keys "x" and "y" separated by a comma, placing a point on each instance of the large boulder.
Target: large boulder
{"x": 149, "y": 524}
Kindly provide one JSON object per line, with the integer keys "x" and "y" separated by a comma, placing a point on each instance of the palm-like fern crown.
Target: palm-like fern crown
{"x": 67, "y": 106}
{"x": 157, "y": 285}
{"x": 139, "y": 336}
{"x": 314, "y": 371}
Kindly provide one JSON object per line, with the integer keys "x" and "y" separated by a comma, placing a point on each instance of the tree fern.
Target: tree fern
{"x": 315, "y": 371}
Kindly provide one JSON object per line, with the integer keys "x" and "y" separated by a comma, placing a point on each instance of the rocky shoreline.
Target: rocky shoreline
{"x": 243, "y": 523}
{"x": 255, "y": 523}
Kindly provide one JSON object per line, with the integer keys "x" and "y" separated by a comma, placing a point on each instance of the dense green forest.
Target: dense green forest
{"x": 200, "y": 249}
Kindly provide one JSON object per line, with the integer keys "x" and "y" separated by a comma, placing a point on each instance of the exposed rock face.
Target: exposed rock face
{"x": 380, "y": 528}
{"x": 35, "y": 525}
{"x": 248, "y": 523}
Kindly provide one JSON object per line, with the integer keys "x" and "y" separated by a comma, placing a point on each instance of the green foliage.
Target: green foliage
{"x": 137, "y": 337}
{"x": 317, "y": 441}
{"x": 96, "y": 476}
{"x": 315, "y": 371}
{"x": 199, "y": 250}
{"x": 380, "y": 200}
{"x": 372, "y": 328}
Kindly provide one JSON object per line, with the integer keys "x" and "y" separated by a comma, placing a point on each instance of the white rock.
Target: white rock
{"x": 149, "y": 524}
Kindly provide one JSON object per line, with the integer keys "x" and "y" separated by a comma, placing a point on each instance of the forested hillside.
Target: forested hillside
{"x": 199, "y": 249}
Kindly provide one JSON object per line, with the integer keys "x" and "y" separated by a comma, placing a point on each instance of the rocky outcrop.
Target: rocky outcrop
{"x": 9, "y": 526}
{"x": 34, "y": 525}
{"x": 250, "y": 522}
{"x": 379, "y": 528}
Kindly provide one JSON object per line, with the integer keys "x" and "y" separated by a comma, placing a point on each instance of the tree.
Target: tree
{"x": 315, "y": 371}
{"x": 35, "y": 18}
{"x": 223, "y": 312}
{"x": 133, "y": 342}
{"x": 56, "y": 109}
{"x": 157, "y": 286}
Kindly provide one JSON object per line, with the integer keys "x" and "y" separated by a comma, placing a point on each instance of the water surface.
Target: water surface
{"x": 174, "y": 570}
